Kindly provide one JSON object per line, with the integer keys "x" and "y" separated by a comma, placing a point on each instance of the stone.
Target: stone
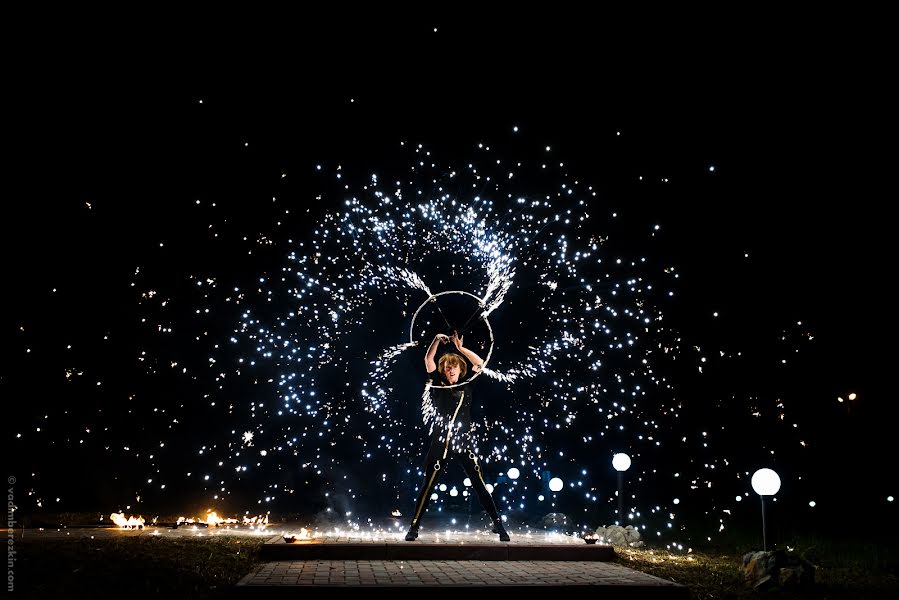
{"x": 555, "y": 521}
{"x": 763, "y": 570}
{"x": 617, "y": 535}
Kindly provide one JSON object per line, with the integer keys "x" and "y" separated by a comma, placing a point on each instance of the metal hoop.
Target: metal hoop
{"x": 433, "y": 298}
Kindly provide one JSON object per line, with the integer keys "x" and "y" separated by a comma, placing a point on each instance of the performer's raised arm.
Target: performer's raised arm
{"x": 430, "y": 365}
{"x": 476, "y": 362}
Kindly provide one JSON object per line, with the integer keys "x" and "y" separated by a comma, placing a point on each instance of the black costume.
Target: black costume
{"x": 450, "y": 416}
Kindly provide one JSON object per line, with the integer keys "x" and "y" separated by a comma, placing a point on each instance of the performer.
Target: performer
{"x": 451, "y": 428}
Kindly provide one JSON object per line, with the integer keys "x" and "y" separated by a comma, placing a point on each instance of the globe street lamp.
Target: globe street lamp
{"x": 621, "y": 462}
{"x": 765, "y": 482}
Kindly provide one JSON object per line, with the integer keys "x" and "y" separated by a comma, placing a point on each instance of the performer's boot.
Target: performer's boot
{"x": 413, "y": 534}
{"x": 498, "y": 528}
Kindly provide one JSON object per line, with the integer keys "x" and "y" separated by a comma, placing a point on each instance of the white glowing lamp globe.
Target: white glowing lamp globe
{"x": 555, "y": 484}
{"x": 765, "y": 482}
{"x": 621, "y": 462}
{"x": 514, "y": 473}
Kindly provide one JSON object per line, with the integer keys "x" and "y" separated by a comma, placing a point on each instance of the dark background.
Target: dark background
{"x": 795, "y": 126}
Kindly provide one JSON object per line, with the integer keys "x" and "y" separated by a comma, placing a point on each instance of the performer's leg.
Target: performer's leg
{"x": 424, "y": 496}
{"x": 473, "y": 470}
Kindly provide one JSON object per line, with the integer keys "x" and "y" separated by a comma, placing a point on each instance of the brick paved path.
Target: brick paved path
{"x": 288, "y": 575}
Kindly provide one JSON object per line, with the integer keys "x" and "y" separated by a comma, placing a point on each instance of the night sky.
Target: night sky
{"x": 202, "y": 265}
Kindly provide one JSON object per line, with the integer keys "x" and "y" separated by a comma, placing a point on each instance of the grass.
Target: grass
{"x": 843, "y": 569}
{"x": 133, "y": 567}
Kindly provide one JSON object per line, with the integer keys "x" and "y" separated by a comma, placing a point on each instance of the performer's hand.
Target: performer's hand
{"x": 443, "y": 338}
{"x": 457, "y": 340}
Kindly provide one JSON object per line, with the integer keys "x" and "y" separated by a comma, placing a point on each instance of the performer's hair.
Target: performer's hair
{"x": 453, "y": 359}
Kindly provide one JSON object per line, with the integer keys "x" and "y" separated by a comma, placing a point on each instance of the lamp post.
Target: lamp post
{"x": 765, "y": 482}
{"x": 621, "y": 462}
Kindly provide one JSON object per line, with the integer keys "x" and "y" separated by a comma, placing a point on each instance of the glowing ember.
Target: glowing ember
{"x": 129, "y": 523}
{"x": 213, "y": 520}
{"x": 302, "y": 535}
{"x": 260, "y": 520}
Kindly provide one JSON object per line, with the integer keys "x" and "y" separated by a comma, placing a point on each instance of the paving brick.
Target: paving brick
{"x": 432, "y": 573}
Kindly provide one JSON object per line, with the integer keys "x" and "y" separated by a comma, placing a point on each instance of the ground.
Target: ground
{"x": 209, "y": 566}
